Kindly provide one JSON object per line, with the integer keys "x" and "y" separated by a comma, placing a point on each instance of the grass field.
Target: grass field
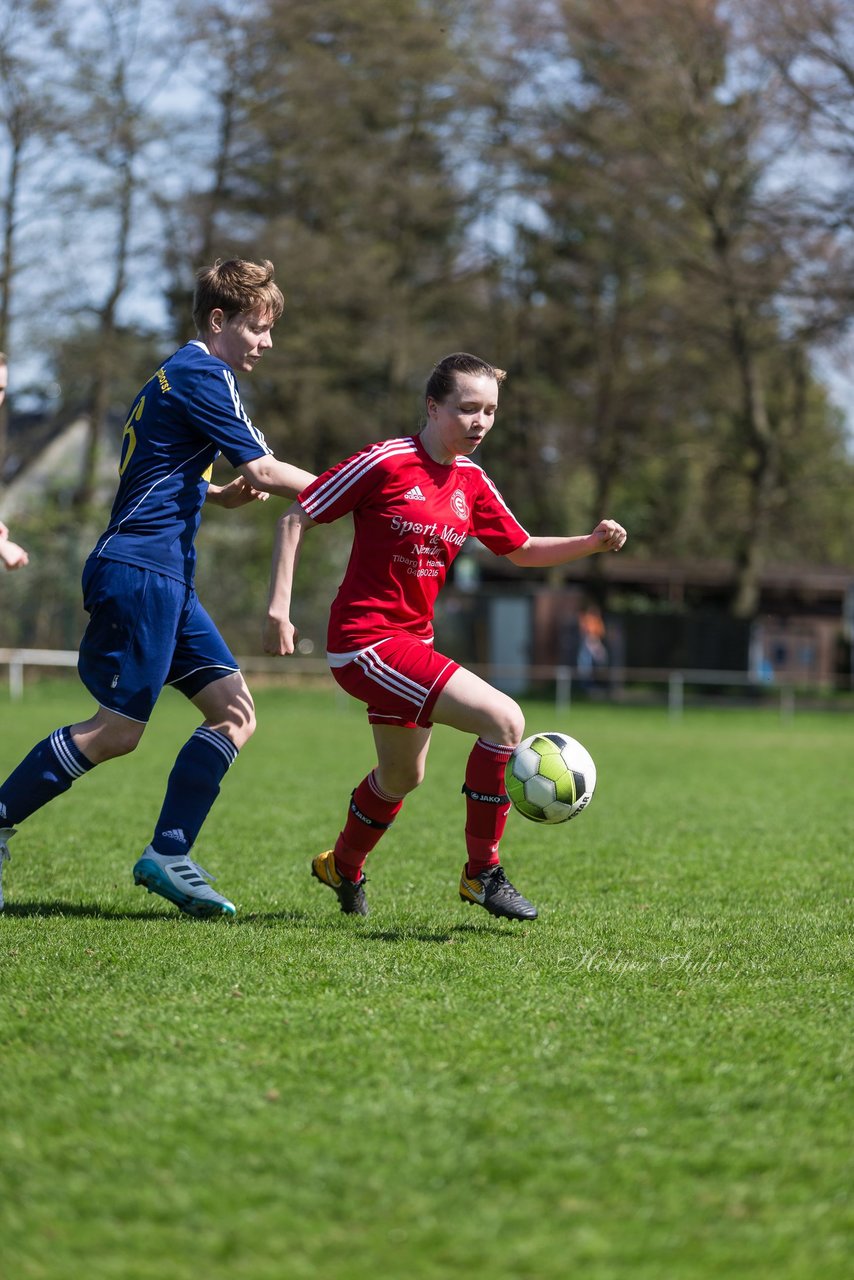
{"x": 652, "y": 1080}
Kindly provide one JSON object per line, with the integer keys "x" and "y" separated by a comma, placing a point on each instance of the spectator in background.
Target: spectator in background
{"x": 13, "y": 556}
{"x": 592, "y": 653}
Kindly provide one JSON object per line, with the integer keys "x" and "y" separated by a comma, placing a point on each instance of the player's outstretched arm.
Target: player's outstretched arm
{"x": 542, "y": 553}
{"x": 273, "y": 476}
{"x": 280, "y": 635}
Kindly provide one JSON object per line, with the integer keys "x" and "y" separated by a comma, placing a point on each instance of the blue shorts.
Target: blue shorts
{"x": 145, "y": 630}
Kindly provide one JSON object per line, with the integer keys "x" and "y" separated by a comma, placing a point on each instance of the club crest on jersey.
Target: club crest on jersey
{"x": 459, "y": 506}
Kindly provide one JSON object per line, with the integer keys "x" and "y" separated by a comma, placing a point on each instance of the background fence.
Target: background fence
{"x": 625, "y": 685}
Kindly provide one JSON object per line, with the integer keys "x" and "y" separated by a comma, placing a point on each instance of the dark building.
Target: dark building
{"x": 659, "y": 616}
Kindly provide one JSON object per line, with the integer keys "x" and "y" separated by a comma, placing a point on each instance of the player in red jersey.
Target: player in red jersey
{"x": 414, "y": 502}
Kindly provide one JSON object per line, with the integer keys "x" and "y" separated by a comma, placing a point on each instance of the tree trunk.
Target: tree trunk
{"x": 100, "y": 398}
{"x": 761, "y": 473}
{"x": 8, "y": 237}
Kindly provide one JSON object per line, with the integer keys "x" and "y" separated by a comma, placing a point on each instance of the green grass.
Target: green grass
{"x": 652, "y": 1080}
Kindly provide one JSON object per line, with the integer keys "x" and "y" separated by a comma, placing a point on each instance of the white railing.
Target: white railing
{"x": 17, "y": 659}
{"x": 564, "y": 678}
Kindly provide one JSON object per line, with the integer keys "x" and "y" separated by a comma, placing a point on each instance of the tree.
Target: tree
{"x": 605, "y": 380}
{"x": 29, "y": 121}
{"x": 226, "y": 61}
{"x": 340, "y": 170}
{"x": 654, "y": 180}
{"x": 759, "y": 240}
{"x": 116, "y": 70}
{"x": 810, "y": 43}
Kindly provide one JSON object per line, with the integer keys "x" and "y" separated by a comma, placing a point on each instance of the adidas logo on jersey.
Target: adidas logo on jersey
{"x": 175, "y": 834}
{"x": 414, "y": 494}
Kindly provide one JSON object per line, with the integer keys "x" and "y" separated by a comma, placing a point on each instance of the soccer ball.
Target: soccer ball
{"x": 550, "y": 777}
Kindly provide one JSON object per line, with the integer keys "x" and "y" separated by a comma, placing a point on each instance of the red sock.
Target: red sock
{"x": 487, "y": 804}
{"x": 371, "y": 814}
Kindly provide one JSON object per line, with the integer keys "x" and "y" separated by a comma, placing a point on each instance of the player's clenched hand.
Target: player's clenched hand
{"x": 280, "y": 636}
{"x": 13, "y": 556}
{"x": 609, "y": 535}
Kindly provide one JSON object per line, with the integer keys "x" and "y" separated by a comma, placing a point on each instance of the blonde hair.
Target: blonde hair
{"x": 236, "y": 288}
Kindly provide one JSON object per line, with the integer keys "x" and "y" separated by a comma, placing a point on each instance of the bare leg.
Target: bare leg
{"x": 227, "y": 707}
{"x": 106, "y": 735}
{"x": 401, "y": 757}
{"x": 474, "y": 706}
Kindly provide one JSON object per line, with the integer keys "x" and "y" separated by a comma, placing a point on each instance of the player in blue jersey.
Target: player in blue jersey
{"x": 147, "y": 626}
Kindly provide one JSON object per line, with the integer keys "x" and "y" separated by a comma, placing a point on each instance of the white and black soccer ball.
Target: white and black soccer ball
{"x": 550, "y": 777}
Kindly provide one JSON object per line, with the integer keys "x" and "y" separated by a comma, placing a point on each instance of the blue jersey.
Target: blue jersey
{"x": 183, "y": 417}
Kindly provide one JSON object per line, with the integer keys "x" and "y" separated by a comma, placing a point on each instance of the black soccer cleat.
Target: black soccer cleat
{"x": 492, "y": 890}
{"x": 350, "y": 895}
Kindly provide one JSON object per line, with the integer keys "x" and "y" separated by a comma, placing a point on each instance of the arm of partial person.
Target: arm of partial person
{"x": 272, "y": 476}
{"x": 542, "y": 553}
{"x": 11, "y": 555}
{"x": 280, "y": 634}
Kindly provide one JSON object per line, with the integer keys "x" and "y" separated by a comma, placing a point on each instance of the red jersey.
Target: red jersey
{"x": 411, "y": 517}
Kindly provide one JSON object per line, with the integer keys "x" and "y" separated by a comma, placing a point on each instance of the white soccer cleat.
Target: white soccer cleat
{"x": 183, "y": 882}
{"x": 6, "y": 834}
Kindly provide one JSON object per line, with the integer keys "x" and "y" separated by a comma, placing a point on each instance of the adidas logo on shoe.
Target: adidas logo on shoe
{"x": 414, "y": 494}
{"x": 181, "y": 881}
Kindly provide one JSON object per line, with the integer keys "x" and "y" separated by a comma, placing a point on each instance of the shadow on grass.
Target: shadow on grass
{"x": 274, "y": 917}
{"x": 484, "y": 928}
{"x": 90, "y": 909}
{"x": 295, "y": 918}
{"x": 358, "y": 928}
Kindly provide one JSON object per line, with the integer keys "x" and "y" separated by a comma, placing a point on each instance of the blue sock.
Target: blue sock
{"x": 191, "y": 790}
{"x": 44, "y": 774}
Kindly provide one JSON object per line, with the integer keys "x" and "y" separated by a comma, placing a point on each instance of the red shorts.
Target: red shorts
{"x": 399, "y": 678}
